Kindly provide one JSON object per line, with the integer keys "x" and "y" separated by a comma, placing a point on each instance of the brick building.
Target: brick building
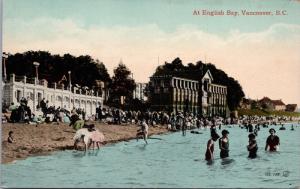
{"x": 176, "y": 94}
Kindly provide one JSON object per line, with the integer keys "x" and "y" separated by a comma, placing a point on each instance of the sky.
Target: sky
{"x": 261, "y": 52}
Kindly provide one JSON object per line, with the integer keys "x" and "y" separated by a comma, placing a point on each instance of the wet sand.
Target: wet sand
{"x": 42, "y": 139}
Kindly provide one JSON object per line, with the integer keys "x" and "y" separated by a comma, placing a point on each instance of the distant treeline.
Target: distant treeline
{"x": 85, "y": 71}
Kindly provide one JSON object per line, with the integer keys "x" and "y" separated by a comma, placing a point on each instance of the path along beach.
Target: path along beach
{"x": 42, "y": 139}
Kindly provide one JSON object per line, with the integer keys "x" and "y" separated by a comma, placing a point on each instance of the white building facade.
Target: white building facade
{"x": 138, "y": 93}
{"x": 57, "y": 95}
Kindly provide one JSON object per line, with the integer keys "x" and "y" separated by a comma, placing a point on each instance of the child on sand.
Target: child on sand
{"x": 10, "y": 138}
{"x": 96, "y": 136}
{"x": 210, "y": 147}
{"x": 82, "y": 135}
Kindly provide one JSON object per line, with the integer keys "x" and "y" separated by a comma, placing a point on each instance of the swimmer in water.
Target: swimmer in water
{"x": 252, "y": 147}
{"x": 224, "y": 144}
{"x": 282, "y": 127}
{"x": 273, "y": 141}
{"x": 209, "y": 155}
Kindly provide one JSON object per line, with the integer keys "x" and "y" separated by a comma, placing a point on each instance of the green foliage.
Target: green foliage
{"x": 260, "y": 112}
{"x": 84, "y": 70}
{"x": 122, "y": 84}
{"x": 255, "y": 105}
{"x": 196, "y": 71}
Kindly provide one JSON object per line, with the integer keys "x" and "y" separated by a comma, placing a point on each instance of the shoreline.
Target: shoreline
{"x": 44, "y": 139}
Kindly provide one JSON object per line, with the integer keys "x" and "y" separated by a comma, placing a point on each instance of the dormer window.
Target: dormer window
{"x": 205, "y": 84}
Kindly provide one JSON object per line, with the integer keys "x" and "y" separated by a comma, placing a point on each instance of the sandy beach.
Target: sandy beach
{"x": 42, "y": 139}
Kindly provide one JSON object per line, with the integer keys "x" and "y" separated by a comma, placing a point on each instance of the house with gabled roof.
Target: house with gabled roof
{"x": 266, "y": 103}
{"x": 279, "y": 105}
{"x": 291, "y": 107}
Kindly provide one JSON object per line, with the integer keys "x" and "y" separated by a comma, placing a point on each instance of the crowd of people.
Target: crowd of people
{"x": 45, "y": 114}
{"x": 184, "y": 121}
{"x": 272, "y": 142}
{"x": 180, "y": 121}
{"x": 109, "y": 115}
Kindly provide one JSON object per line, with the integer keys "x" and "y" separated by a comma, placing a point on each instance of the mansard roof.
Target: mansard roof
{"x": 184, "y": 74}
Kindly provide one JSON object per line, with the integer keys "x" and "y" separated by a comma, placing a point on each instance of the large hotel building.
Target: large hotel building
{"x": 185, "y": 95}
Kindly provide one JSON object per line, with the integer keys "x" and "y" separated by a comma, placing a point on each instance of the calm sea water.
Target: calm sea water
{"x": 168, "y": 161}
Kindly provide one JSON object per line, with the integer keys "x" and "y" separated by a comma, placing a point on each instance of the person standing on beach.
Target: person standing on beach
{"x": 224, "y": 144}
{"x": 252, "y": 147}
{"x": 273, "y": 141}
{"x": 96, "y": 137}
{"x": 83, "y": 134}
{"x": 10, "y": 138}
{"x": 210, "y": 147}
{"x": 184, "y": 126}
{"x": 43, "y": 107}
{"x": 143, "y": 131}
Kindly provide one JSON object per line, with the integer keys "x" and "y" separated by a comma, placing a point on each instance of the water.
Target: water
{"x": 168, "y": 161}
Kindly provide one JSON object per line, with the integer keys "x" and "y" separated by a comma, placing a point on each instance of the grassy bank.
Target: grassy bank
{"x": 267, "y": 113}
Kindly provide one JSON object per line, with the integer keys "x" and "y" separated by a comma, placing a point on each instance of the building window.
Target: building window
{"x": 166, "y": 84}
{"x": 205, "y": 85}
{"x": 66, "y": 99}
{"x": 18, "y": 95}
{"x": 58, "y": 98}
{"x": 156, "y": 90}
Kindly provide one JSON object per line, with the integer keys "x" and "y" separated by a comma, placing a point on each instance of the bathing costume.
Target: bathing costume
{"x": 273, "y": 142}
{"x": 207, "y": 154}
{"x": 225, "y": 151}
{"x": 252, "y": 152}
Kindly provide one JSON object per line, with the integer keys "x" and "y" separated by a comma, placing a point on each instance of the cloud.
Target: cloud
{"x": 266, "y": 63}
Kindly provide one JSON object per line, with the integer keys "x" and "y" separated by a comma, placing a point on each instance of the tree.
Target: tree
{"x": 84, "y": 69}
{"x": 122, "y": 85}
